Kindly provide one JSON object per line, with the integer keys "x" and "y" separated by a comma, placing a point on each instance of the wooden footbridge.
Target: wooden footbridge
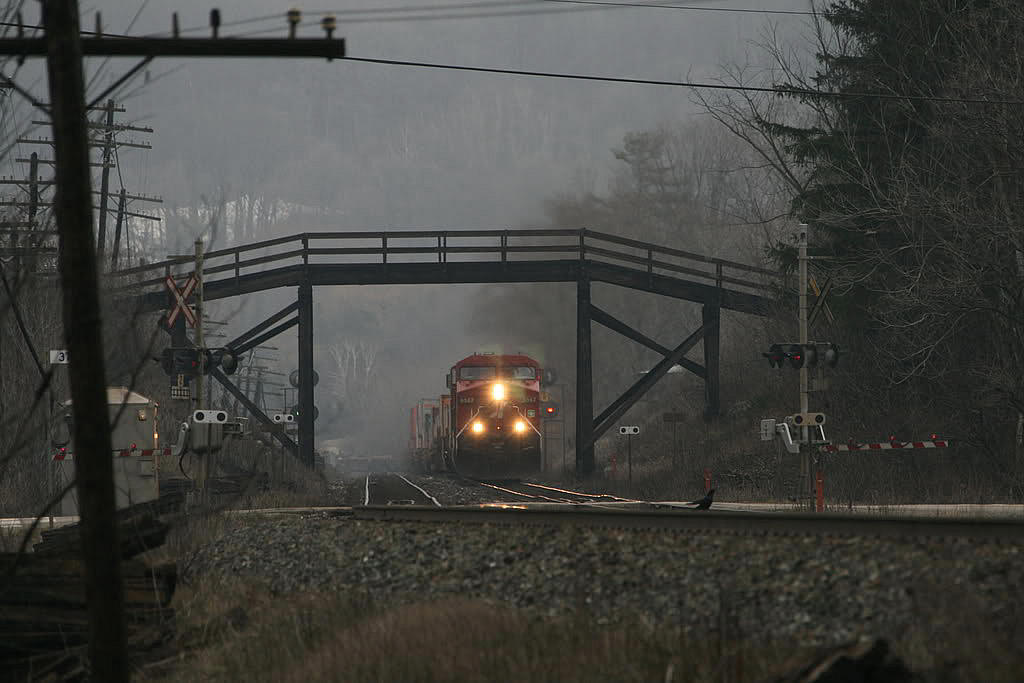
{"x": 406, "y": 257}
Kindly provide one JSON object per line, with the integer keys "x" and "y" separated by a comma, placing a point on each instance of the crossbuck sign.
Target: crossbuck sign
{"x": 181, "y": 298}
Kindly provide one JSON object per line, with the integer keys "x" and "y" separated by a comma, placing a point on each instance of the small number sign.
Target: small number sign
{"x": 59, "y": 357}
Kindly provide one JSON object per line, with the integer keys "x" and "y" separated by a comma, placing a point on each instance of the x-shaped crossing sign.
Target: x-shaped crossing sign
{"x": 181, "y": 297}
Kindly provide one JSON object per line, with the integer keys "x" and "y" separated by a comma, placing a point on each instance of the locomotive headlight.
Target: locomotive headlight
{"x": 478, "y": 427}
{"x": 498, "y": 391}
{"x": 520, "y": 426}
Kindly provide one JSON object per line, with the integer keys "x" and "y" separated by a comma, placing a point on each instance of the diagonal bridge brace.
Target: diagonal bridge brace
{"x": 602, "y": 317}
{"x": 248, "y": 340}
{"x": 254, "y": 409}
{"x": 624, "y": 402}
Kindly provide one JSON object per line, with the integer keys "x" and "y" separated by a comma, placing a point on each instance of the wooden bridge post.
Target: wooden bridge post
{"x": 584, "y": 379}
{"x": 711, "y": 312}
{"x": 305, "y": 390}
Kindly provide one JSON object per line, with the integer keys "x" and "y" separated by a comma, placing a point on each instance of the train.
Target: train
{"x": 488, "y": 423}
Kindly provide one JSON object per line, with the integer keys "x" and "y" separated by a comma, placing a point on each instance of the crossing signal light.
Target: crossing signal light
{"x": 181, "y": 361}
{"x": 295, "y": 412}
{"x": 802, "y": 355}
{"x": 227, "y": 360}
{"x": 796, "y": 355}
{"x": 186, "y": 362}
{"x": 776, "y": 356}
{"x": 832, "y": 355}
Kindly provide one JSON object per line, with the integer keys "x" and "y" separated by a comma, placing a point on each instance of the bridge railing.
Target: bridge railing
{"x": 452, "y": 246}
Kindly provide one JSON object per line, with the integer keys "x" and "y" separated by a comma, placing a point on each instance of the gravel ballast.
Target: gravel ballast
{"x": 816, "y": 589}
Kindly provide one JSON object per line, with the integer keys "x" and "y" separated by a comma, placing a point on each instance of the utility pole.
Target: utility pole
{"x": 63, "y": 48}
{"x": 94, "y": 476}
{"x": 121, "y": 201}
{"x": 806, "y": 476}
{"x": 629, "y": 460}
{"x": 204, "y": 462}
{"x": 33, "y": 187}
{"x": 108, "y": 147}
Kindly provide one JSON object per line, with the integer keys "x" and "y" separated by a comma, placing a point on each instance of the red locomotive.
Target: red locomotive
{"x": 489, "y": 424}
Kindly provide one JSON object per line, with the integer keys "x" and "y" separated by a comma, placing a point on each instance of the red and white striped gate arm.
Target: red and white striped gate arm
{"x": 886, "y": 445}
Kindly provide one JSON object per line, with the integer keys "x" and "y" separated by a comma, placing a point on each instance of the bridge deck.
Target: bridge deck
{"x": 449, "y": 257}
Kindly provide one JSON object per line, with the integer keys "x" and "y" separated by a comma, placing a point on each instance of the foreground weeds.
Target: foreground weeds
{"x": 244, "y": 634}
{"x": 229, "y": 632}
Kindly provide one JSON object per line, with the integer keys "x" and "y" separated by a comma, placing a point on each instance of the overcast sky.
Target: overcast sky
{"x": 375, "y": 146}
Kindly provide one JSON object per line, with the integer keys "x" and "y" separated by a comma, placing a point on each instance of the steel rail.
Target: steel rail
{"x": 580, "y": 493}
{"x": 420, "y": 489}
{"x": 387, "y": 483}
{"x": 688, "y": 520}
{"x": 522, "y": 494}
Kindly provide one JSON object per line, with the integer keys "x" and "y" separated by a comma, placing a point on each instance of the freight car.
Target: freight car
{"x": 489, "y": 422}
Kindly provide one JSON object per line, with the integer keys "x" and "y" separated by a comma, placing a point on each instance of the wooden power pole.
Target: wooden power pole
{"x": 108, "y": 149}
{"x": 84, "y": 337}
{"x": 63, "y": 48}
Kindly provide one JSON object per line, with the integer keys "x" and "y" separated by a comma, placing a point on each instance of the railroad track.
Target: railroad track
{"x": 688, "y": 520}
{"x": 391, "y": 489}
{"x": 543, "y": 493}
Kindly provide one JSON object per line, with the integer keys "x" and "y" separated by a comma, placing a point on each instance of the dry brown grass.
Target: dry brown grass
{"x": 328, "y": 637}
{"x": 231, "y": 631}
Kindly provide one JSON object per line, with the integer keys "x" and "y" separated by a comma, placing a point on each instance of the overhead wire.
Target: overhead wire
{"x": 224, "y": 24}
{"x": 696, "y": 8}
{"x": 538, "y": 11}
{"x": 776, "y": 90}
{"x": 458, "y": 11}
{"x": 99, "y": 70}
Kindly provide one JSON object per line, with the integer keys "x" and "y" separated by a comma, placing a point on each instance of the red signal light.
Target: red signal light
{"x": 550, "y": 409}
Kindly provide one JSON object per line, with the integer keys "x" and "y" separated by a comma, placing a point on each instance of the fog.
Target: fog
{"x": 354, "y": 146}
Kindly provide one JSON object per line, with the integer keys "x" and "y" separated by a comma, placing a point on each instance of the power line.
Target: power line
{"x": 225, "y": 24}
{"x": 537, "y": 11}
{"x": 530, "y": 8}
{"x": 690, "y": 84}
{"x": 486, "y": 10}
{"x": 702, "y": 8}
{"x": 348, "y": 12}
{"x": 238, "y": 47}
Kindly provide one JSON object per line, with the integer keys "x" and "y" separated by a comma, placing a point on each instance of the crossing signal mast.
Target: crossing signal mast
{"x": 803, "y": 429}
